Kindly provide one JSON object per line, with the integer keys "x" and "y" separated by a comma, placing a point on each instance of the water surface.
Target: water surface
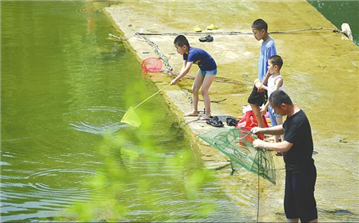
{"x": 65, "y": 86}
{"x": 339, "y": 12}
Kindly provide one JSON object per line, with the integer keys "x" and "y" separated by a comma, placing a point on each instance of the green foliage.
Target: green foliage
{"x": 129, "y": 191}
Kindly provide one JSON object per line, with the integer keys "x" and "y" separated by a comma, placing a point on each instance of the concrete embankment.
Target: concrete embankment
{"x": 320, "y": 73}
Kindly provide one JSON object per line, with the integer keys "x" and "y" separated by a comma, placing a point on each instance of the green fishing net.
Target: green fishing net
{"x": 237, "y": 144}
{"x": 130, "y": 117}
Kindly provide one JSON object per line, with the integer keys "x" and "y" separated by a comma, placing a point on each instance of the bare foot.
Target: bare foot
{"x": 204, "y": 117}
{"x": 194, "y": 113}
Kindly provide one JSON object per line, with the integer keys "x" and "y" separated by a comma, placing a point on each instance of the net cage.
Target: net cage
{"x": 151, "y": 65}
{"x": 237, "y": 144}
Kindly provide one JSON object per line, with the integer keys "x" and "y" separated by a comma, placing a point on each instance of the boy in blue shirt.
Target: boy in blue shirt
{"x": 268, "y": 49}
{"x": 204, "y": 77}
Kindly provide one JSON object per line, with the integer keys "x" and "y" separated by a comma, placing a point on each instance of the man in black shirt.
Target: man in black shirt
{"x": 301, "y": 174}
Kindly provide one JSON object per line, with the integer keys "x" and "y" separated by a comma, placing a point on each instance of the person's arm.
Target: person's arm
{"x": 263, "y": 86}
{"x": 278, "y": 83}
{"x": 185, "y": 69}
{"x": 259, "y": 85}
{"x": 264, "y": 108}
{"x": 280, "y": 146}
{"x": 266, "y": 78}
{"x": 274, "y": 130}
{"x": 183, "y": 66}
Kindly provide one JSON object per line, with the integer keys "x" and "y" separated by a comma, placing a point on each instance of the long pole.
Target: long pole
{"x": 152, "y": 95}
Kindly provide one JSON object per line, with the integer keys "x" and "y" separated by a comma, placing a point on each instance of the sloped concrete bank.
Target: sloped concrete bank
{"x": 314, "y": 62}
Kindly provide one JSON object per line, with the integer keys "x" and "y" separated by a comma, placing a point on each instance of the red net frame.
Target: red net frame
{"x": 151, "y": 65}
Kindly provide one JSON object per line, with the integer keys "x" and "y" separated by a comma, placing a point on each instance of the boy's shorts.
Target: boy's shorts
{"x": 209, "y": 72}
{"x": 257, "y": 98}
{"x": 299, "y": 201}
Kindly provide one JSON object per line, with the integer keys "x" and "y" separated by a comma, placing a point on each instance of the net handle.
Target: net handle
{"x": 152, "y": 95}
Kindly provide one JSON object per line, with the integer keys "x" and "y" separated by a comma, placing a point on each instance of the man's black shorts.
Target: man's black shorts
{"x": 299, "y": 201}
{"x": 257, "y": 98}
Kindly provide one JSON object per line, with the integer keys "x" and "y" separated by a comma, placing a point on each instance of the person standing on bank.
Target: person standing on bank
{"x": 205, "y": 75}
{"x": 301, "y": 174}
{"x": 258, "y": 96}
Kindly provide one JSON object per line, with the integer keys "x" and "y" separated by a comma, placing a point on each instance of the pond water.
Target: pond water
{"x": 65, "y": 86}
{"x": 339, "y": 12}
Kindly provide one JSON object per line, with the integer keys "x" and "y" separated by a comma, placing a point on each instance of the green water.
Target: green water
{"x": 339, "y": 12}
{"x": 64, "y": 87}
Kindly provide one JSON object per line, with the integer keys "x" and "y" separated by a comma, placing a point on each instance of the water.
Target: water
{"x": 64, "y": 87}
{"x": 339, "y": 12}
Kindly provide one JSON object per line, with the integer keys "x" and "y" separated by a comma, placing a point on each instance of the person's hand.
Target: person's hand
{"x": 260, "y": 89}
{"x": 258, "y": 143}
{"x": 174, "y": 81}
{"x": 257, "y": 83}
{"x": 256, "y": 130}
{"x": 263, "y": 110}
